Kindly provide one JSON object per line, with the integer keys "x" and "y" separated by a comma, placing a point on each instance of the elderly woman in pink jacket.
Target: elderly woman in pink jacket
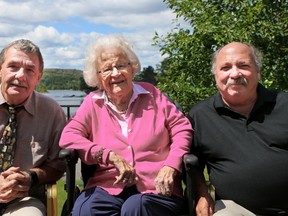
{"x": 134, "y": 135}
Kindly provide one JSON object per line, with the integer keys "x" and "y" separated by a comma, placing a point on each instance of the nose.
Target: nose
{"x": 20, "y": 74}
{"x": 234, "y": 72}
{"x": 115, "y": 71}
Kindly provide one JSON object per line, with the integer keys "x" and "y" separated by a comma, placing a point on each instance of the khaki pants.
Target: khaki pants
{"x": 25, "y": 206}
{"x": 230, "y": 208}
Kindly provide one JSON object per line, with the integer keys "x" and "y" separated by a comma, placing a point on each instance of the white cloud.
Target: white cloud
{"x": 65, "y": 29}
{"x": 49, "y": 36}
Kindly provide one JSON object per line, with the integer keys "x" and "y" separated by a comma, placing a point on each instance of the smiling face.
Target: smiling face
{"x": 115, "y": 73}
{"x": 19, "y": 75}
{"x": 236, "y": 74}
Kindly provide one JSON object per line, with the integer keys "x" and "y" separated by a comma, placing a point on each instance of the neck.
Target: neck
{"x": 243, "y": 108}
{"x": 121, "y": 102}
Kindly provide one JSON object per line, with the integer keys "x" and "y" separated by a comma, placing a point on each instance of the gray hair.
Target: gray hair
{"x": 91, "y": 68}
{"x": 27, "y": 47}
{"x": 256, "y": 55}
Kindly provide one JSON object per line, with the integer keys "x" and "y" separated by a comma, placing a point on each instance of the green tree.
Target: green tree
{"x": 185, "y": 73}
{"x": 60, "y": 79}
{"x": 41, "y": 88}
{"x": 147, "y": 75}
{"x": 84, "y": 87}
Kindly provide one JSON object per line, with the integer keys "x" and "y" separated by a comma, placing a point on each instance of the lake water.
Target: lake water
{"x": 67, "y": 97}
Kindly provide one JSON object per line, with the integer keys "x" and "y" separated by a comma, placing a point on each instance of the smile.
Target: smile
{"x": 113, "y": 83}
{"x": 17, "y": 86}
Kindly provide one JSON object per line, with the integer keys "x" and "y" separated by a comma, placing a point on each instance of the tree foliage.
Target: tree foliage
{"x": 84, "y": 87}
{"x": 185, "y": 73}
{"x": 147, "y": 75}
{"x": 73, "y": 79}
{"x": 60, "y": 79}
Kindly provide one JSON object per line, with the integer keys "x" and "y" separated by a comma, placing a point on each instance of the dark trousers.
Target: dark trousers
{"x": 130, "y": 202}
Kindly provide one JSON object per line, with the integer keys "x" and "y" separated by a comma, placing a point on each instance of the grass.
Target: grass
{"x": 62, "y": 195}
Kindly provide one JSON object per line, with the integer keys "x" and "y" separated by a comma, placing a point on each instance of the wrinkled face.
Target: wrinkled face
{"x": 115, "y": 73}
{"x": 19, "y": 75}
{"x": 236, "y": 73}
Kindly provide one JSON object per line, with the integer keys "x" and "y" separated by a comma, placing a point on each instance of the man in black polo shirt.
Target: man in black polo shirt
{"x": 241, "y": 134}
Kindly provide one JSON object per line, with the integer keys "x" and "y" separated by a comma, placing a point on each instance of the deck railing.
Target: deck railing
{"x": 68, "y": 108}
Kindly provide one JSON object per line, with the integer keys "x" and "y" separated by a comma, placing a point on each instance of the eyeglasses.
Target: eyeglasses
{"x": 119, "y": 67}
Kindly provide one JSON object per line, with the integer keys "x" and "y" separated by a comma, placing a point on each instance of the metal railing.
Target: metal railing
{"x": 68, "y": 108}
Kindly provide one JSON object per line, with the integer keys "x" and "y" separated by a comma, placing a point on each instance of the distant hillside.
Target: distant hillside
{"x": 56, "y": 78}
{"x": 60, "y": 79}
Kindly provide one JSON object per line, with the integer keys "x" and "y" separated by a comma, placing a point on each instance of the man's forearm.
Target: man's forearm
{"x": 46, "y": 175}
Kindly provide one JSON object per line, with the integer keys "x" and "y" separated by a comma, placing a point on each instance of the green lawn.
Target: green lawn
{"x": 61, "y": 194}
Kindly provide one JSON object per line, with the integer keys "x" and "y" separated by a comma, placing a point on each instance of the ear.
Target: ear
{"x": 40, "y": 74}
{"x": 259, "y": 75}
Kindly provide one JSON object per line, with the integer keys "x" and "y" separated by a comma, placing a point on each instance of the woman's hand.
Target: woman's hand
{"x": 127, "y": 172}
{"x": 164, "y": 181}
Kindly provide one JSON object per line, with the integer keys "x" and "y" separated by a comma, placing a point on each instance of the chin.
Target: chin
{"x": 20, "y": 92}
{"x": 118, "y": 89}
{"x": 118, "y": 92}
{"x": 17, "y": 91}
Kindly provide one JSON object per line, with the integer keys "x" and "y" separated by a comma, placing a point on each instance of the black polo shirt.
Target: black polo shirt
{"x": 247, "y": 158}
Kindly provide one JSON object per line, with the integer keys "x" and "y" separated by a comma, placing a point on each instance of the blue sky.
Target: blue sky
{"x": 65, "y": 29}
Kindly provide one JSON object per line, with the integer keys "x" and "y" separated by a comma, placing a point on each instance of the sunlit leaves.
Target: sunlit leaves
{"x": 185, "y": 73}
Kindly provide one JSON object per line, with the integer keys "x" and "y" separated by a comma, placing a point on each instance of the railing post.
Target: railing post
{"x": 68, "y": 112}
{"x": 68, "y": 109}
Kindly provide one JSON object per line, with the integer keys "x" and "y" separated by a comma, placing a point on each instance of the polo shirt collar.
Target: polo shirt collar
{"x": 264, "y": 96}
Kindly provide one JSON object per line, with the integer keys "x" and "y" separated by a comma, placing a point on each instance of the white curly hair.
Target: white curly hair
{"x": 91, "y": 67}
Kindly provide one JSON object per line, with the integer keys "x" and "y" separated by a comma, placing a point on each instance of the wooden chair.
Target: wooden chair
{"x": 51, "y": 204}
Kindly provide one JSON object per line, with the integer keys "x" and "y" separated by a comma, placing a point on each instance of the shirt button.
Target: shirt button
{"x": 129, "y": 130}
{"x": 131, "y": 163}
{"x": 129, "y": 147}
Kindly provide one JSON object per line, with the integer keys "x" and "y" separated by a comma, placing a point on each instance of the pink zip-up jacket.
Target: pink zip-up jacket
{"x": 158, "y": 135}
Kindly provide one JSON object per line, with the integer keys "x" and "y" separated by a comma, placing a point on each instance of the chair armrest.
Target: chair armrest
{"x": 70, "y": 156}
{"x": 51, "y": 194}
{"x": 191, "y": 163}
